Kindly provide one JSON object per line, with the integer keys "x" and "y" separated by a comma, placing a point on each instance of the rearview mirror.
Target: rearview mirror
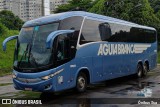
{"x": 7, "y": 40}
{"x": 53, "y": 35}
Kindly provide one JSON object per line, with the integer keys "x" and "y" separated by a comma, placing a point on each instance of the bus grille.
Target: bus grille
{"x": 28, "y": 80}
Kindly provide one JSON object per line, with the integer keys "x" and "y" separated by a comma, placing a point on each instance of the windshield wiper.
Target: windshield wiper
{"x": 31, "y": 56}
{"x": 24, "y": 54}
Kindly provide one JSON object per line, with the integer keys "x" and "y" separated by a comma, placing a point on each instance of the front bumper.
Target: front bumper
{"x": 44, "y": 85}
{"x": 33, "y": 81}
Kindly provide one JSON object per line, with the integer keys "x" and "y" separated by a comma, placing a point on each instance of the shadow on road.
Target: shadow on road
{"x": 108, "y": 86}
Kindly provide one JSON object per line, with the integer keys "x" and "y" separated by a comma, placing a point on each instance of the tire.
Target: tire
{"x": 139, "y": 71}
{"x": 145, "y": 69}
{"x": 81, "y": 83}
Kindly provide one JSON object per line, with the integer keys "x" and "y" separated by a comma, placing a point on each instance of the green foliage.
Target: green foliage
{"x": 99, "y": 7}
{"x": 126, "y": 9}
{"x": 155, "y": 4}
{"x": 11, "y": 21}
{"x": 158, "y": 60}
{"x": 6, "y": 58}
{"x": 8, "y": 21}
{"x": 144, "y": 14}
{"x": 3, "y": 29}
{"x": 137, "y": 11}
{"x": 158, "y": 14}
{"x": 75, "y": 5}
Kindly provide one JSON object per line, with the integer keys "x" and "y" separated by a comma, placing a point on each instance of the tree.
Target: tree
{"x": 114, "y": 8}
{"x": 144, "y": 14}
{"x": 137, "y": 11}
{"x": 84, "y": 5}
{"x": 155, "y": 4}
{"x": 99, "y": 7}
{"x": 3, "y": 30}
{"x": 158, "y": 14}
{"x": 11, "y": 21}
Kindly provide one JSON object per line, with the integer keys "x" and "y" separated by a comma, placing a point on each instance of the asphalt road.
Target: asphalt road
{"x": 122, "y": 92}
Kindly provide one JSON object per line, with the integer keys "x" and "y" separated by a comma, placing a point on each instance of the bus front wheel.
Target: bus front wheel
{"x": 81, "y": 83}
{"x": 139, "y": 70}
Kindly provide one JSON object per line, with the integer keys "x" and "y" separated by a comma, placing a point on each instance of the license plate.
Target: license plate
{"x": 28, "y": 89}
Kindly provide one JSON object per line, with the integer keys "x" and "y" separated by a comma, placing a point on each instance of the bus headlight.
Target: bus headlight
{"x": 52, "y": 75}
{"x": 46, "y": 77}
{"x": 14, "y": 76}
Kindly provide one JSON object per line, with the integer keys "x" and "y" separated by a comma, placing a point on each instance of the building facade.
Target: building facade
{"x": 55, "y": 3}
{"x": 27, "y": 9}
{"x": 1, "y": 5}
{"x": 5, "y": 5}
{"x": 30, "y": 9}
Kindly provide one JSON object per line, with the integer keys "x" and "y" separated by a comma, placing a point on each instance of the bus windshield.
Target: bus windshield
{"x": 31, "y": 52}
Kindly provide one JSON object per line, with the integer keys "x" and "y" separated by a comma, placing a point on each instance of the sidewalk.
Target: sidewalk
{"x": 6, "y": 79}
{"x": 7, "y": 88}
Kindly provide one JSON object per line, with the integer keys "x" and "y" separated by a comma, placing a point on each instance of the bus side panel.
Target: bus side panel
{"x": 95, "y": 65}
{"x": 152, "y": 53}
{"x": 112, "y": 66}
{"x": 97, "y": 73}
{"x": 63, "y": 78}
{"x": 128, "y": 64}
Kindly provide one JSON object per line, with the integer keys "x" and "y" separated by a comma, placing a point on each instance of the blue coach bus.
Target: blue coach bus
{"x": 73, "y": 49}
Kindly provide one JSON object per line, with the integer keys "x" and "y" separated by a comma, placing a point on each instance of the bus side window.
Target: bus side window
{"x": 63, "y": 48}
{"x": 105, "y": 31}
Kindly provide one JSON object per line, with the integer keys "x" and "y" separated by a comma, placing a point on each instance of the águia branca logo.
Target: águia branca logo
{"x": 118, "y": 49}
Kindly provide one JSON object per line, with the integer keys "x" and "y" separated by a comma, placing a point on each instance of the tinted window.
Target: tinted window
{"x": 73, "y": 23}
{"x": 139, "y": 35}
{"x": 63, "y": 48}
{"x": 123, "y": 33}
{"x": 119, "y": 33}
{"x": 105, "y": 31}
{"x": 102, "y": 31}
{"x": 93, "y": 31}
{"x": 150, "y": 36}
{"x": 90, "y": 31}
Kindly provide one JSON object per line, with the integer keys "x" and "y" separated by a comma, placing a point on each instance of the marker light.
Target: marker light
{"x": 51, "y": 75}
{"x": 46, "y": 77}
{"x": 13, "y": 76}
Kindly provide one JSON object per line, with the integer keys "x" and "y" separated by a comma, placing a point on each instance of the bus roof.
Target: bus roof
{"x": 61, "y": 16}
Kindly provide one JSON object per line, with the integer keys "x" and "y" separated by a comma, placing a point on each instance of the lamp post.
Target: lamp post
{"x": 45, "y": 7}
{"x": 42, "y": 7}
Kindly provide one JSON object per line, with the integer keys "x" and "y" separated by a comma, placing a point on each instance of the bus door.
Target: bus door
{"x": 65, "y": 52}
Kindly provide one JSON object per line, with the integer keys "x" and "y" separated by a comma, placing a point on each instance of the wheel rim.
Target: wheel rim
{"x": 81, "y": 82}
